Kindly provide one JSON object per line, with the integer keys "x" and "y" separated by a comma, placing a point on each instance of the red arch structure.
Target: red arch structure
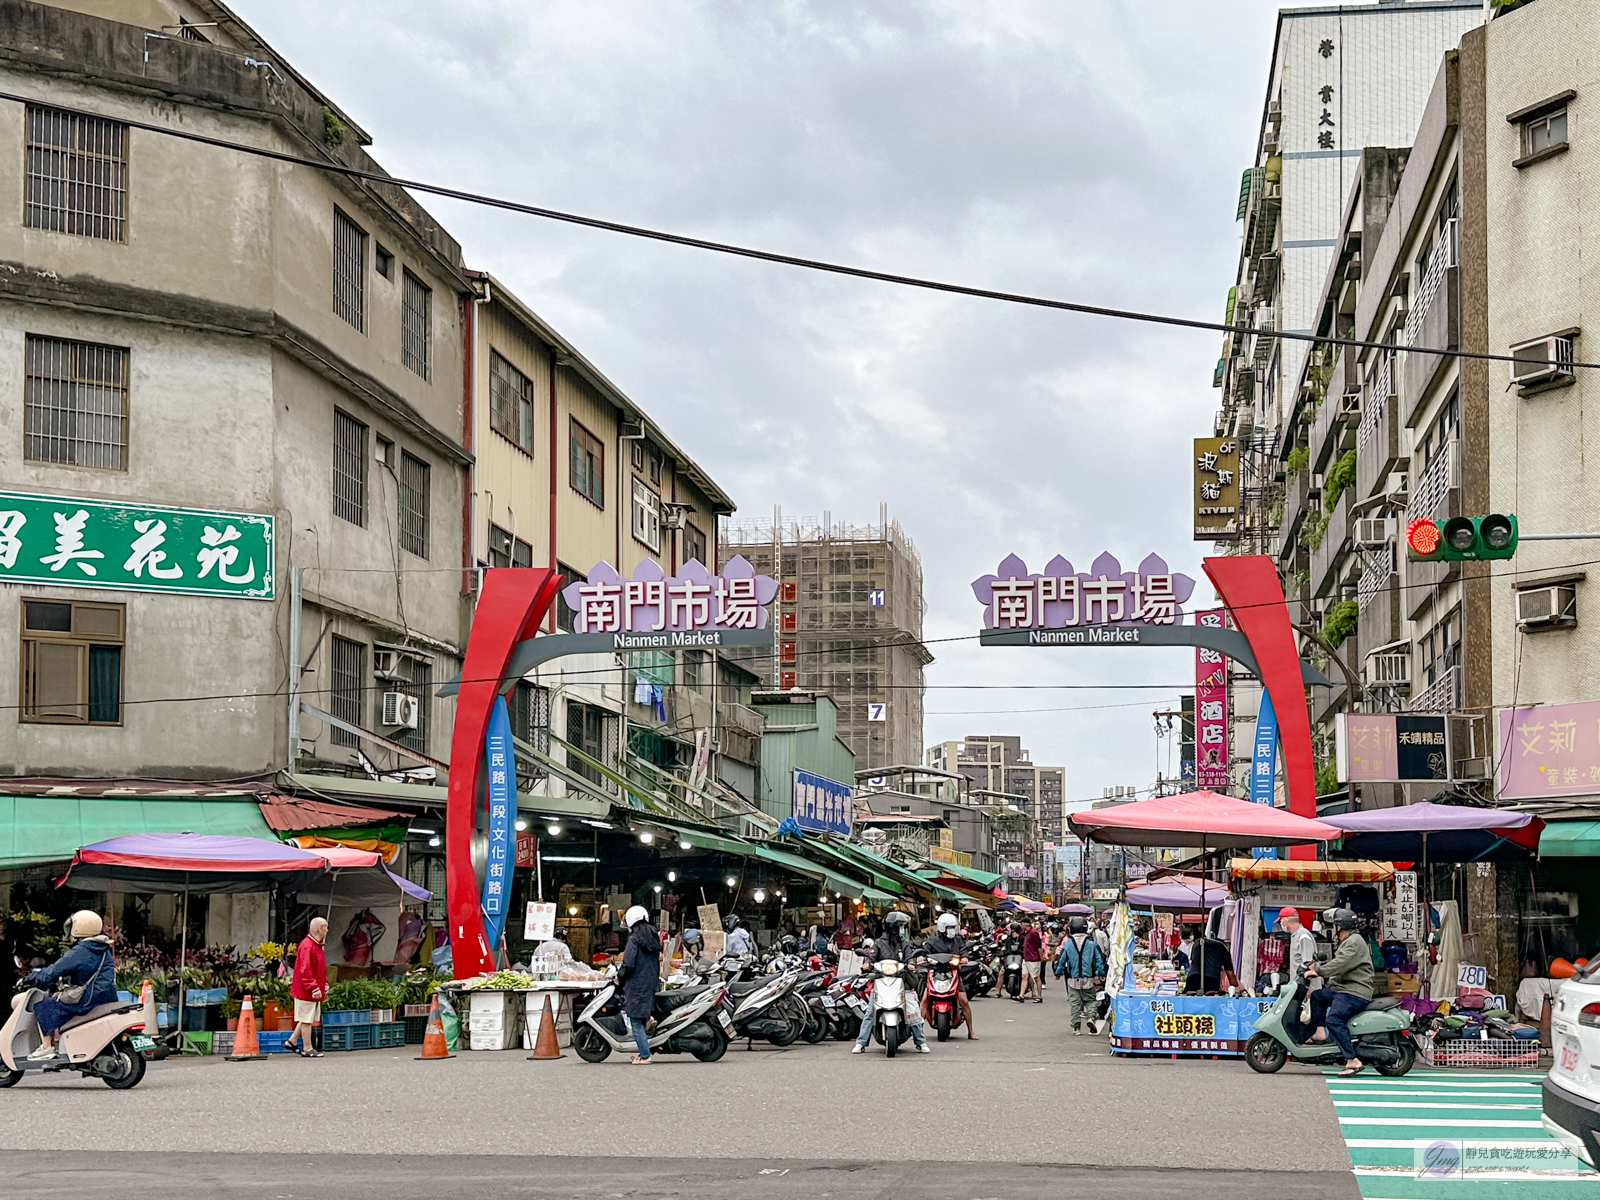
{"x": 1249, "y": 587}
{"x": 511, "y": 605}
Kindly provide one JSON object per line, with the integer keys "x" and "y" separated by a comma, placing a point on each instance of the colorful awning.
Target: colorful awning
{"x": 1364, "y": 870}
{"x": 1570, "y": 839}
{"x": 42, "y": 829}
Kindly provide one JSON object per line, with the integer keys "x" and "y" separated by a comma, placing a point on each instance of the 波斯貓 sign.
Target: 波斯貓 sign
{"x": 73, "y": 542}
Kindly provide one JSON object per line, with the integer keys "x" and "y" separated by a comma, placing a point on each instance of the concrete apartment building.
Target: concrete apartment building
{"x": 850, "y": 624}
{"x": 998, "y": 766}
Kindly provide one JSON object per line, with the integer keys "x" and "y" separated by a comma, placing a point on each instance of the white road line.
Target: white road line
{"x": 1408, "y": 1143}
{"x": 1452, "y": 1123}
{"x": 1435, "y": 1107}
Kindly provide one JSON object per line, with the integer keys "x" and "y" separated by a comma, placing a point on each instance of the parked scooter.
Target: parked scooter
{"x": 765, "y": 1008}
{"x": 108, "y": 1042}
{"x": 1381, "y": 1032}
{"x": 942, "y": 990}
{"x": 687, "y": 1021}
{"x": 978, "y": 973}
{"x": 846, "y": 1003}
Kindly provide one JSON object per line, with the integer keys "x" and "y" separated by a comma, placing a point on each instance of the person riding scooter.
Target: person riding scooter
{"x": 88, "y": 964}
{"x": 890, "y": 944}
{"x": 947, "y": 939}
{"x": 1347, "y": 988}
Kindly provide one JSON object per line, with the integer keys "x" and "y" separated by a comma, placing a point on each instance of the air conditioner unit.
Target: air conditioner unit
{"x": 399, "y": 710}
{"x": 1542, "y": 360}
{"x": 1472, "y": 768}
{"x": 1373, "y": 533}
{"x": 674, "y": 516}
{"x": 1545, "y": 606}
{"x": 385, "y": 664}
{"x": 1350, "y": 404}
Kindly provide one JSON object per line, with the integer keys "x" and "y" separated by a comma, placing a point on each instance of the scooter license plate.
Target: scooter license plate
{"x": 141, "y": 1042}
{"x": 829, "y": 1002}
{"x": 727, "y": 1021}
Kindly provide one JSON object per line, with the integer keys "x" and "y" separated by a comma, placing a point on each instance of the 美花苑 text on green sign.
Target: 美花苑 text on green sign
{"x": 66, "y": 540}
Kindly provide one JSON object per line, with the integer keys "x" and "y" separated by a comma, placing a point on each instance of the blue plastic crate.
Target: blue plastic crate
{"x": 349, "y": 1016}
{"x": 125, "y": 997}
{"x": 390, "y": 1033}
{"x": 347, "y": 1037}
{"x": 271, "y": 1041}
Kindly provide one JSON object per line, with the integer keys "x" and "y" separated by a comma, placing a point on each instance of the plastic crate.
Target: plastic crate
{"x": 222, "y": 1043}
{"x": 388, "y": 1034}
{"x": 417, "y": 1010}
{"x": 202, "y": 1041}
{"x": 416, "y": 1029}
{"x": 346, "y": 1037}
{"x": 1480, "y": 1053}
{"x": 271, "y": 1042}
{"x": 349, "y": 1016}
{"x": 380, "y": 1016}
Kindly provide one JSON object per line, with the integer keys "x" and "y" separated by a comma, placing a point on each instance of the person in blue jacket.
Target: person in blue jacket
{"x": 87, "y": 963}
{"x": 639, "y": 976}
{"x": 1083, "y": 965}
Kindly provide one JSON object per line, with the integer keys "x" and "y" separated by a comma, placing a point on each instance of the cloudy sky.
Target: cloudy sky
{"x": 1085, "y": 151}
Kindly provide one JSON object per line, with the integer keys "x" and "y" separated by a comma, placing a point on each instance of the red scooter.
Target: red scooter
{"x": 942, "y": 993}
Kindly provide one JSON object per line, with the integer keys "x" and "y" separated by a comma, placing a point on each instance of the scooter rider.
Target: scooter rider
{"x": 89, "y": 964}
{"x": 947, "y": 939}
{"x": 890, "y": 944}
{"x": 739, "y": 942}
{"x": 1348, "y": 985}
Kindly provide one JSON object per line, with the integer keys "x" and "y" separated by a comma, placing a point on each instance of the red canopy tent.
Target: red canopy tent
{"x": 1209, "y": 820}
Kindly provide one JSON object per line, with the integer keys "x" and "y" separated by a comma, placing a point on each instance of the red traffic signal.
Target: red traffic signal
{"x": 1422, "y": 537}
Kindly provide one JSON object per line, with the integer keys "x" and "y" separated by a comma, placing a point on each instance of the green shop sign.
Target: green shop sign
{"x": 147, "y": 548}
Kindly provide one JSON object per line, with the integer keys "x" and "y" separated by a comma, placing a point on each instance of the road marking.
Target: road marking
{"x": 1408, "y": 1143}
{"x": 1452, "y": 1123}
{"x": 1432, "y": 1107}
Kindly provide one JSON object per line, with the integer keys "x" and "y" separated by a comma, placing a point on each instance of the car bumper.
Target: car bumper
{"x": 1573, "y": 1121}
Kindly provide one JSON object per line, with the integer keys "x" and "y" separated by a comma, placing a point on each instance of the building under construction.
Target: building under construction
{"x": 849, "y": 618}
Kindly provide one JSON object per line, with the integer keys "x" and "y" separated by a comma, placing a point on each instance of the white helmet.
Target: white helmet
{"x": 947, "y": 923}
{"x": 634, "y": 915}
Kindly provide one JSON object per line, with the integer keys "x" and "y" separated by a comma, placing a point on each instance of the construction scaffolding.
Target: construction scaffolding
{"x": 849, "y": 618}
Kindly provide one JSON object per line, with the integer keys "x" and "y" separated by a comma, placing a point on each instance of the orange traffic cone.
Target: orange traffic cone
{"x": 433, "y": 1043}
{"x": 147, "y": 1001}
{"x": 545, "y": 1045}
{"x": 245, "y": 1048}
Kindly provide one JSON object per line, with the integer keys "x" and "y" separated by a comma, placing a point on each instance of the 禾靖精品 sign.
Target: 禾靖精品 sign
{"x": 75, "y": 542}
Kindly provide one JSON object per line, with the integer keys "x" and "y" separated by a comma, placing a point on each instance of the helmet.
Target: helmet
{"x": 84, "y": 924}
{"x": 788, "y": 943}
{"x": 1078, "y": 925}
{"x": 729, "y": 923}
{"x": 561, "y": 933}
{"x": 1339, "y": 918}
{"x": 947, "y": 923}
{"x": 1288, "y": 913}
{"x": 634, "y": 915}
{"x": 896, "y": 921}
{"x": 693, "y": 937}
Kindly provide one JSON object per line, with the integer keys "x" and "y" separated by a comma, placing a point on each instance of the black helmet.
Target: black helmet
{"x": 1078, "y": 925}
{"x": 1339, "y": 918}
{"x": 561, "y": 933}
{"x": 897, "y": 921}
{"x": 729, "y": 923}
{"x": 788, "y": 943}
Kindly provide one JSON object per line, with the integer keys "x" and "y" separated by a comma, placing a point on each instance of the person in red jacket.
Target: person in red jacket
{"x": 308, "y": 987}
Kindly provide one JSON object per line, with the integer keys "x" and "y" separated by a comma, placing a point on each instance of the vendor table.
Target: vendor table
{"x": 1145, "y": 1023}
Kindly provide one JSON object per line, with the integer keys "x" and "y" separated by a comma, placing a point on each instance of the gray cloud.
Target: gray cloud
{"x": 1090, "y": 152}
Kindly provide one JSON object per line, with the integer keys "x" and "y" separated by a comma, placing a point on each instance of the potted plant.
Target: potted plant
{"x": 230, "y": 1013}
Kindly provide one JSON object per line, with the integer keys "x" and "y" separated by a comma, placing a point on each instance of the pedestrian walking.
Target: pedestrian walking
{"x": 639, "y": 974}
{"x": 1083, "y": 966}
{"x": 1032, "y": 962}
{"x": 308, "y": 987}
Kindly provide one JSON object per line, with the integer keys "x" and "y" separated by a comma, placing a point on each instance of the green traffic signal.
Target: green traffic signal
{"x": 1462, "y": 539}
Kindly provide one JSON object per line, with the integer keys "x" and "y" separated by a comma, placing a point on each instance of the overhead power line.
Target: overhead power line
{"x": 789, "y": 260}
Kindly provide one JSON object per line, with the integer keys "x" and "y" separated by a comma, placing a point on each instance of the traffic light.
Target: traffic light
{"x": 1461, "y": 539}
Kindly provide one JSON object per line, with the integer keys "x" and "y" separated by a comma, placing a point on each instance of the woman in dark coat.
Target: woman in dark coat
{"x": 88, "y": 963}
{"x": 640, "y": 973}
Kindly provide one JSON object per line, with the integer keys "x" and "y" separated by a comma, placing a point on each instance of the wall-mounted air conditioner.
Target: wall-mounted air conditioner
{"x": 1542, "y": 360}
{"x": 1544, "y": 607}
{"x": 1373, "y": 533}
{"x": 385, "y": 663}
{"x": 399, "y": 710}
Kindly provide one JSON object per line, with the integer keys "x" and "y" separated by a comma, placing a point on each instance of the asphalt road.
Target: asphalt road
{"x": 1028, "y": 1111}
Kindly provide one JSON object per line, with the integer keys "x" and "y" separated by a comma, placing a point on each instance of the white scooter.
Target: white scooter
{"x": 889, "y": 994}
{"x": 688, "y": 1021}
{"x": 108, "y": 1042}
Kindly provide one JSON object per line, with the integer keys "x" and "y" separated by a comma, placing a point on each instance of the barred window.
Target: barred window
{"x": 77, "y": 175}
{"x": 346, "y": 685}
{"x": 413, "y": 505}
{"x": 349, "y": 468}
{"x": 416, "y": 326}
{"x": 510, "y": 402}
{"x": 694, "y": 546}
{"x": 588, "y": 467}
{"x": 349, "y": 271}
{"x": 419, "y": 684}
{"x": 75, "y": 401}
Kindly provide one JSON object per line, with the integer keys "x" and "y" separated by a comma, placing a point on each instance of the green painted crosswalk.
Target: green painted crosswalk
{"x": 1382, "y": 1120}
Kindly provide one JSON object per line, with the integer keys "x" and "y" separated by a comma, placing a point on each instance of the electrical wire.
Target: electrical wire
{"x": 728, "y": 248}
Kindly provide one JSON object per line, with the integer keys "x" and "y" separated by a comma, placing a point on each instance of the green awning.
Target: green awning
{"x": 1570, "y": 839}
{"x": 878, "y": 899}
{"x": 880, "y": 866}
{"x": 41, "y": 829}
{"x": 984, "y": 879}
{"x": 949, "y": 893}
{"x": 701, "y": 839}
{"x": 881, "y": 882}
{"x": 804, "y": 866}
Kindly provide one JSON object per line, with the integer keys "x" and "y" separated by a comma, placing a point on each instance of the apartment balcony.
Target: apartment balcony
{"x": 1434, "y": 320}
{"x": 740, "y": 717}
{"x": 1378, "y": 596}
{"x": 1334, "y": 431}
{"x": 1444, "y": 694}
{"x": 1437, "y": 495}
{"x": 1378, "y": 435}
{"x": 1335, "y": 543}
{"x": 1295, "y": 507}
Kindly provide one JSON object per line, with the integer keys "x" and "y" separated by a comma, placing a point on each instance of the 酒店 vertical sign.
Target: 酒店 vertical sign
{"x": 1211, "y": 710}
{"x": 1216, "y": 489}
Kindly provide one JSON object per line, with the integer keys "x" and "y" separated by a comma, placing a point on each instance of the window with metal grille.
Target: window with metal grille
{"x": 75, "y": 402}
{"x": 72, "y": 662}
{"x": 694, "y": 546}
{"x": 347, "y": 686}
{"x": 417, "y": 681}
{"x": 529, "y": 710}
{"x": 566, "y": 616}
{"x": 76, "y": 175}
{"x": 508, "y": 551}
{"x": 349, "y": 468}
{"x": 349, "y": 271}
{"x": 510, "y": 402}
{"x": 413, "y": 504}
{"x": 416, "y": 326}
{"x": 592, "y": 730}
{"x": 588, "y": 470}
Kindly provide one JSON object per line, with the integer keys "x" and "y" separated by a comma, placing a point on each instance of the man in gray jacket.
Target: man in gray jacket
{"x": 1347, "y": 987}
